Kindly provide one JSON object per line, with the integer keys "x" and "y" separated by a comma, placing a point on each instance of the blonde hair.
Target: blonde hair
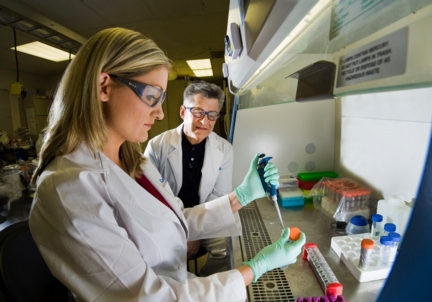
{"x": 76, "y": 115}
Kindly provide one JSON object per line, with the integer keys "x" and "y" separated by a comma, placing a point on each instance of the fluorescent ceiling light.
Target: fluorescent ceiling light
{"x": 44, "y": 51}
{"x": 199, "y": 64}
{"x": 203, "y": 72}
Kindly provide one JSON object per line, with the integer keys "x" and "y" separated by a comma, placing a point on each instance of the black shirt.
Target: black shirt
{"x": 193, "y": 158}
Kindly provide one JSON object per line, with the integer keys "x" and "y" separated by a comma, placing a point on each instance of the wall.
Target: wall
{"x": 382, "y": 140}
{"x": 299, "y": 137}
{"x": 12, "y": 113}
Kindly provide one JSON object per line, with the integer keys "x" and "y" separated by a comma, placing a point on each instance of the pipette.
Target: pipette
{"x": 269, "y": 188}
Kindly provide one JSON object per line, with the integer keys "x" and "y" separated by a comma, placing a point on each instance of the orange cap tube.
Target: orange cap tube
{"x": 294, "y": 233}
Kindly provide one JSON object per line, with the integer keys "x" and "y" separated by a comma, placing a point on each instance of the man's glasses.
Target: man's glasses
{"x": 200, "y": 113}
{"x": 150, "y": 95}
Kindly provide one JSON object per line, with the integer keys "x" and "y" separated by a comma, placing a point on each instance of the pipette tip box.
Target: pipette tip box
{"x": 348, "y": 249}
{"x": 290, "y": 197}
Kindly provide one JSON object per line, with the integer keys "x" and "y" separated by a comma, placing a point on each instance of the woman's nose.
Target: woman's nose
{"x": 158, "y": 112}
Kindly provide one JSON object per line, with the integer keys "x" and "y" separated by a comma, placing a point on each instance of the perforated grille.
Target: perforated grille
{"x": 272, "y": 286}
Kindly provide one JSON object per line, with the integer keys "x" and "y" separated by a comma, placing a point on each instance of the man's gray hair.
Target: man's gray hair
{"x": 208, "y": 90}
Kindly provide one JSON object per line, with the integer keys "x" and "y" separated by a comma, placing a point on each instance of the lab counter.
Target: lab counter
{"x": 300, "y": 276}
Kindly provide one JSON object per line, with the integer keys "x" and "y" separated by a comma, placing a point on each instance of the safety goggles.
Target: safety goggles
{"x": 200, "y": 113}
{"x": 150, "y": 95}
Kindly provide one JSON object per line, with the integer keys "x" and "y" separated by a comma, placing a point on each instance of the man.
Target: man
{"x": 196, "y": 162}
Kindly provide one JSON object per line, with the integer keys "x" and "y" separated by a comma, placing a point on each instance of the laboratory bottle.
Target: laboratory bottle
{"x": 396, "y": 237}
{"x": 386, "y": 243}
{"x": 367, "y": 246}
{"x": 376, "y": 228}
{"x": 389, "y": 228}
{"x": 395, "y": 210}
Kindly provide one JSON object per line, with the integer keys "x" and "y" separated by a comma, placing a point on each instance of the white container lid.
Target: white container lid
{"x": 396, "y": 200}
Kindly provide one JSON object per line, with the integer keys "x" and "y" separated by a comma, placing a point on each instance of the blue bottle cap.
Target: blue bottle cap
{"x": 396, "y": 237}
{"x": 386, "y": 240}
{"x": 390, "y": 227}
{"x": 377, "y": 218}
{"x": 359, "y": 220}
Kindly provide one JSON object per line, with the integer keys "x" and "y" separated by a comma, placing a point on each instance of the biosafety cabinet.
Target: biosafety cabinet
{"x": 341, "y": 86}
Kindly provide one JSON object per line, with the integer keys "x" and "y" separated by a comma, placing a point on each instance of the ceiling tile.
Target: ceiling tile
{"x": 72, "y": 14}
{"x": 124, "y": 11}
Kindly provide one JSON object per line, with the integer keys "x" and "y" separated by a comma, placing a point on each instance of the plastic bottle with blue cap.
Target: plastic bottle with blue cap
{"x": 376, "y": 228}
{"x": 357, "y": 225}
{"x": 396, "y": 237}
{"x": 389, "y": 228}
{"x": 386, "y": 243}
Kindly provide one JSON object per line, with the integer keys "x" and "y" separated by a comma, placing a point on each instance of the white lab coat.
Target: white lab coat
{"x": 108, "y": 239}
{"x": 165, "y": 152}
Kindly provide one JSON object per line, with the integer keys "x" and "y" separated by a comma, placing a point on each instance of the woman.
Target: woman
{"x": 106, "y": 223}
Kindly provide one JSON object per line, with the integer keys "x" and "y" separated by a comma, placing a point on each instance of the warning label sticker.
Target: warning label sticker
{"x": 382, "y": 58}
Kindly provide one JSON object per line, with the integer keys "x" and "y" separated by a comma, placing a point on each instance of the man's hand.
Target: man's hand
{"x": 193, "y": 248}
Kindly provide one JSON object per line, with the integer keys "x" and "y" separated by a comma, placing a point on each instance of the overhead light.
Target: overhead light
{"x": 44, "y": 51}
{"x": 201, "y": 68}
{"x": 203, "y": 72}
{"x": 199, "y": 64}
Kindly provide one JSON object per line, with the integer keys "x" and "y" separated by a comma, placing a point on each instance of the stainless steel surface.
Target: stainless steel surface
{"x": 273, "y": 285}
{"x": 300, "y": 276}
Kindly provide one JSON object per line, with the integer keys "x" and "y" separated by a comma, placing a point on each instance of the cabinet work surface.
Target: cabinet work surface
{"x": 300, "y": 276}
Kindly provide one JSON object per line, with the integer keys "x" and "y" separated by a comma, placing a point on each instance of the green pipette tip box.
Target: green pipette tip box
{"x": 310, "y": 176}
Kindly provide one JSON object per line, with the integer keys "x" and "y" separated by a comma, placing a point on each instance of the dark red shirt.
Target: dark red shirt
{"x": 146, "y": 184}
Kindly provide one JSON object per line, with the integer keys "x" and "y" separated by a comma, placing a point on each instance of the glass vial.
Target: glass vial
{"x": 396, "y": 237}
{"x": 376, "y": 229}
{"x": 386, "y": 243}
{"x": 389, "y": 228}
{"x": 367, "y": 246}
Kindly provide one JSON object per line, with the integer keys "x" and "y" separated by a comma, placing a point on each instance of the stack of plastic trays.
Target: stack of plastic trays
{"x": 327, "y": 279}
{"x": 290, "y": 197}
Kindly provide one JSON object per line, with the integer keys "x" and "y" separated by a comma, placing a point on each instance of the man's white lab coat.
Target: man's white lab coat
{"x": 108, "y": 239}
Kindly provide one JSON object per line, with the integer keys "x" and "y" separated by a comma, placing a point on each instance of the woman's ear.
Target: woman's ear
{"x": 104, "y": 79}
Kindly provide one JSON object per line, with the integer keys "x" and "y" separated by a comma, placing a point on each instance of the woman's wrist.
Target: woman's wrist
{"x": 247, "y": 274}
{"x": 234, "y": 202}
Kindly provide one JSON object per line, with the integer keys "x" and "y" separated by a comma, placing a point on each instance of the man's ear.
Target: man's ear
{"x": 104, "y": 79}
{"x": 182, "y": 111}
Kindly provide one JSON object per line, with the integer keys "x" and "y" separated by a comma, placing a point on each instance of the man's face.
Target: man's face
{"x": 197, "y": 129}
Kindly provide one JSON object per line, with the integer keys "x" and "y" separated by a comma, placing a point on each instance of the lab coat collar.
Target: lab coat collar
{"x": 175, "y": 157}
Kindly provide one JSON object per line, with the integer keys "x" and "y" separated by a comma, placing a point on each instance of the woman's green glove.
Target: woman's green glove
{"x": 278, "y": 254}
{"x": 251, "y": 188}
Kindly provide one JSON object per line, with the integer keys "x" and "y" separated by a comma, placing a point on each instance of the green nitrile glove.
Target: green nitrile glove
{"x": 251, "y": 188}
{"x": 279, "y": 254}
